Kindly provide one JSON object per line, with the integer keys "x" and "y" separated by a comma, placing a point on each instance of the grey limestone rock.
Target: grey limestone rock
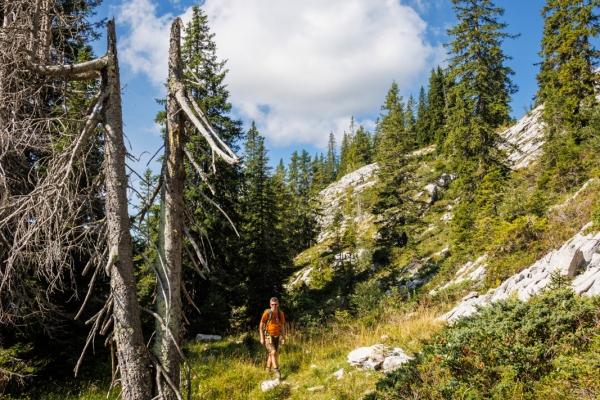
{"x": 580, "y": 252}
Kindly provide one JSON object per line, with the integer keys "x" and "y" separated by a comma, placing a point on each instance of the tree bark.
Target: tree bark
{"x": 136, "y": 380}
{"x": 168, "y": 299}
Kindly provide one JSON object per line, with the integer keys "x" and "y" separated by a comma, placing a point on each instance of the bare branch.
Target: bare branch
{"x": 198, "y": 169}
{"x": 196, "y": 248}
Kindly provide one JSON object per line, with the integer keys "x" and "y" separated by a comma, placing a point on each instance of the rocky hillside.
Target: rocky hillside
{"x": 346, "y": 203}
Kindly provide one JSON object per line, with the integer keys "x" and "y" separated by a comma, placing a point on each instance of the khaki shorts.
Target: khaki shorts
{"x": 272, "y": 343}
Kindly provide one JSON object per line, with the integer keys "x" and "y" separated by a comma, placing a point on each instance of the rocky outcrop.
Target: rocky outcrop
{"x": 333, "y": 197}
{"x": 378, "y": 357}
{"x": 578, "y": 254}
{"x": 524, "y": 140}
{"x": 472, "y": 271}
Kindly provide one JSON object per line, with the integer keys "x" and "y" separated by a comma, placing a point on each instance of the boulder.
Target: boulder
{"x": 395, "y": 359}
{"x": 378, "y": 357}
{"x": 367, "y": 357}
{"x": 433, "y": 192}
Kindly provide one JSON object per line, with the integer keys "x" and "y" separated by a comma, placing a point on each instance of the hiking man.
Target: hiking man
{"x": 272, "y": 329}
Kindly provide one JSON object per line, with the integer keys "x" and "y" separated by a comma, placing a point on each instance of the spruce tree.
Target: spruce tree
{"x": 410, "y": 118}
{"x": 394, "y": 203}
{"x": 331, "y": 162}
{"x": 264, "y": 249}
{"x": 481, "y": 91}
{"x": 435, "y": 120}
{"x": 421, "y": 120}
{"x": 343, "y": 165}
{"x": 205, "y": 76}
{"x": 567, "y": 79}
{"x": 360, "y": 149}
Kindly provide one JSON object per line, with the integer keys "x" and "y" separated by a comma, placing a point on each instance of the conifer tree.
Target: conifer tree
{"x": 331, "y": 162}
{"x": 435, "y": 119}
{"x": 343, "y": 165}
{"x": 205, "y": 76}
{"x": 302, "y": 220}
{"x": 421, "y": 120}
{"x": 360, "y": 149}
{"x": 317, "y": 171}
{"x": 410, "y": 118}
{"x": 394, "y": 203}
{"x": 264, "y": 248}
{"x": 567, "y": 80}
{"x": 481, "y": 91}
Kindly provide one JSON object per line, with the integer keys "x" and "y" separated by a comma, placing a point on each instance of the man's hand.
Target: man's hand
{"x": 262, "y": 341}
{"x": 282, "y": 341}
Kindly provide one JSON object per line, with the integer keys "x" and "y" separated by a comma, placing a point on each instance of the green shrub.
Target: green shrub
{"x": 509, "y": 350}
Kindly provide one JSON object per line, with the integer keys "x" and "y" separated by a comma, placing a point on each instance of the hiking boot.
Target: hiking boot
{"x": 268, "y": 370}
{"x": 277, "y": 373}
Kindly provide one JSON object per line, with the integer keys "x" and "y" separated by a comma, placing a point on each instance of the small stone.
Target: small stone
{"x": 385, "y": 337}
{"x": 200, "y": 337}
{"x": 314, "y": 366}
{"x": 339, "y": 374}
{"x": 316, "y": 388}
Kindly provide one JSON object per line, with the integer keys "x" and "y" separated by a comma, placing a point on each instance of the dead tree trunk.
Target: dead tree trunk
{"x": 168, "y": 298}
{"x": 133, "y": 358}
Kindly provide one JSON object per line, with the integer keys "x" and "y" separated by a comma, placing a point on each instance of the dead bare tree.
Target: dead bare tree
{"x": 52, "y": 206}
{"x": 48, "y": 209}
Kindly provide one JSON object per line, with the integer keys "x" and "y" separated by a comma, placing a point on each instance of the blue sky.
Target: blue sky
{"x": 301, "y": 69}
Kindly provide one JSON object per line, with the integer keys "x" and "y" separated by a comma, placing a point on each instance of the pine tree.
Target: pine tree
{"x": 394, "y": 202}
{"x": 264, "y": 248}
{"x": 302, "y": 220}
{"x": 332, "y": 162}
{"x": 410, "y": 119}
{"x": 343, "y": 165}
{"x": 318, "y": 174}
{"x": 481, "y": 92}
{"x": 421, "y": 120}
{"x": 435, "y": 119}
{"x": 360, "y": 150}
{"x": 205, "y": 76}
{"x": 567, "y": 80}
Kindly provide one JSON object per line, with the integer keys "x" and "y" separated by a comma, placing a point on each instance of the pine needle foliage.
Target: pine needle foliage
{"x": 567, "y": 79}
{"x": 394, "y": 203}
{"x": 481, "y": 89}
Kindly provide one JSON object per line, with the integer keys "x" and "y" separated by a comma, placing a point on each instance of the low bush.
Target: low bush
{"x": 509, "y": 350}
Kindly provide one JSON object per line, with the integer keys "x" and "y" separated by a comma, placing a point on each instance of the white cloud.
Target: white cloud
{"x": 312, "y": 63}
{"x": 145, "y": 47}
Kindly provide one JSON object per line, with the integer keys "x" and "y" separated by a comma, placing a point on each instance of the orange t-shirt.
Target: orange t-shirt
{"x": 273, "y": 327}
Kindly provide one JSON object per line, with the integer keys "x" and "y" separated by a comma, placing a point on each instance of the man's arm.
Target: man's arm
{"x": 261, "y": 330}
{"x": 282, "y": 333}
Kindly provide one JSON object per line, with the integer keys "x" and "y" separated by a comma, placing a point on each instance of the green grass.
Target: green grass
{"x": 234, "y": 367}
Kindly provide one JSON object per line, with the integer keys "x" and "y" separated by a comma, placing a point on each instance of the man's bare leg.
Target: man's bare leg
{"x": 273, "y": 359}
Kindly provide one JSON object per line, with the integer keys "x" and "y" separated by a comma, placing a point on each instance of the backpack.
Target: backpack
{"x": 270, "y": 318}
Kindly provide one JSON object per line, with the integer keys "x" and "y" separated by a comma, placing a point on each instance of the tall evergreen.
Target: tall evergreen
{"x": 410, "y": 118}
{"x": 421, "y": 119}
{"x": 435, "y": 119}
{"x": 332, "y": 161}
{"x": 567, "y": 80}
{"x": 302, "y": 220}
{"x": 264, "y": 248}
{"x": 343, "y": 164}
{"x": 360, "y": 150}
{"x": 394, "y": 202}
{"x": 205, "y": 76}
{"x": 481, "y": 92}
